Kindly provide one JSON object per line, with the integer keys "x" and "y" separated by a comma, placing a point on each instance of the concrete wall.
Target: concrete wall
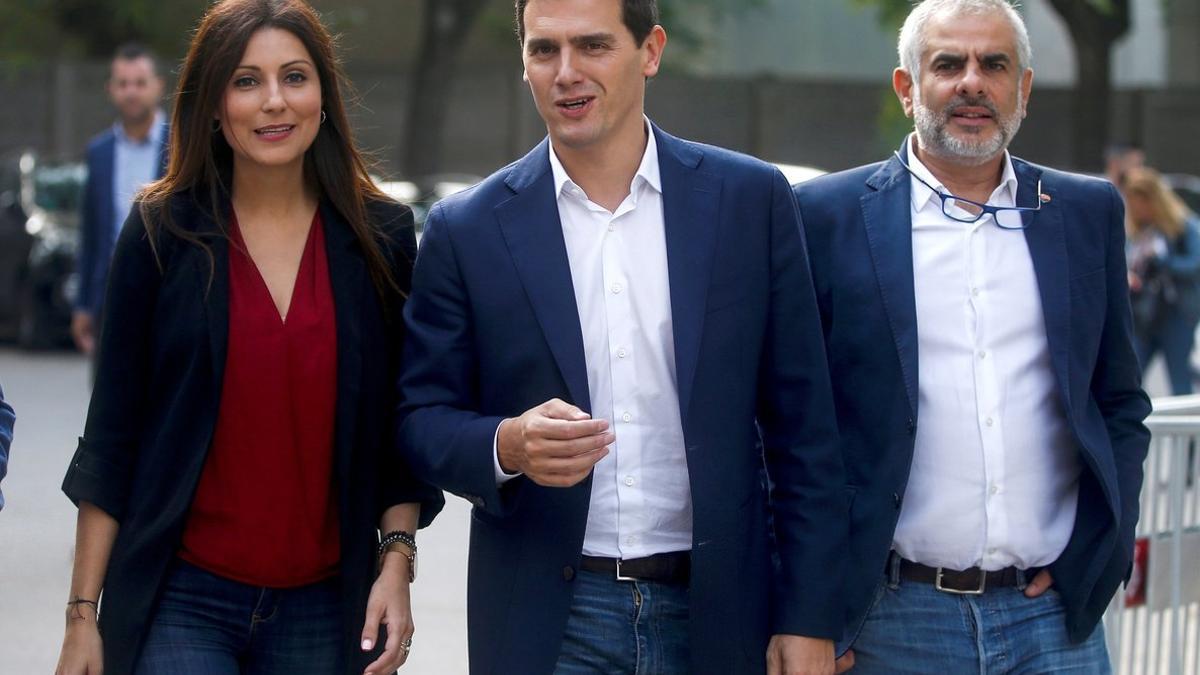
{"x": 828, "y": 124}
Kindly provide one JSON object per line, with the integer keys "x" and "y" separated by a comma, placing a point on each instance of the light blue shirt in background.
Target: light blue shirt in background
{"x": 135, "y": 164}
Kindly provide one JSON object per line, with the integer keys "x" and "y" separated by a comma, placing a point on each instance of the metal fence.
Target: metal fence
{"x": 1153, "y": 628}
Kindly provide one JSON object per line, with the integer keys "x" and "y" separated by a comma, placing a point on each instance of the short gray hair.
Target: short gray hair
{"x": 912, "y": 35}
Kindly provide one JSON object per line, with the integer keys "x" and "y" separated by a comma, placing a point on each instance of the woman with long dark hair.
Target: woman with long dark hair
{"x": 237, "y": 466}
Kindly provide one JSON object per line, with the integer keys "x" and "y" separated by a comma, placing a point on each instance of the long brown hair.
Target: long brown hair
{"x": 1170, "y": 212}
{"x": 201, "y": 161}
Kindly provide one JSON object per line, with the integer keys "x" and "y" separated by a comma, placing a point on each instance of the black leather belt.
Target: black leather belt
{"x": 972, "y": 581}
{"x": 663, "y": 568}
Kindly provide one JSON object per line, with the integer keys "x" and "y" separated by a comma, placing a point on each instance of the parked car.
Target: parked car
{"x": 441, "y": 186}
{"x": 39, "y": 236}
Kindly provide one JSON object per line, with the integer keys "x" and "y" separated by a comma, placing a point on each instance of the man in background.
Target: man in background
{"x": 120, "y": 161}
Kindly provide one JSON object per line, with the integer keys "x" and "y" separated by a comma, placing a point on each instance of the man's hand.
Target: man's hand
{"x": 1039, "y": 585}
{"x": 554, "y": 444}
{"x": 797, "y": 655}
{"x": 83, "y": 332}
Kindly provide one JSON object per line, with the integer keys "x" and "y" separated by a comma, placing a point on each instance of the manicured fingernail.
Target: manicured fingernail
{"x": 366, "y": 645}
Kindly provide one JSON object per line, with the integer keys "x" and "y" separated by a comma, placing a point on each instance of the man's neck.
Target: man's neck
{"x": 972, "y": 181}
{"x": 139, "y": 129}
{"x": 604, "y": 171}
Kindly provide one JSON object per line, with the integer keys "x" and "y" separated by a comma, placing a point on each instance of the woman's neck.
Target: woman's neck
{"x": 271, "y": 192}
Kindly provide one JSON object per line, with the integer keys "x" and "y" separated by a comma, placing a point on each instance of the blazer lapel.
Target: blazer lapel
{"x": 532, "y": 230}
{"x": 350, "y": 285}
{"x": 691, "y": 201}
{"x": 887, "y": 216}
{"x": 213, "y": 277}
{"x": 1046, "y": 237}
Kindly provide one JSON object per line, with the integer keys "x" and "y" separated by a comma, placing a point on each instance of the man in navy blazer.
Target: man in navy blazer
{"x": 977, "y": 322}
{"x": 608, "y": 340}
{"x": 120, "y": 161}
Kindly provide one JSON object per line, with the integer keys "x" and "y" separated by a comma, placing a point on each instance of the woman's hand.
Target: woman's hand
{"x": 82, "y": 650}
{"x": 389, "y": 605}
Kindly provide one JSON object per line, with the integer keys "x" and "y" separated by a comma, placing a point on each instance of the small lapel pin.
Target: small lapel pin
{"x": 1045, "y": 198}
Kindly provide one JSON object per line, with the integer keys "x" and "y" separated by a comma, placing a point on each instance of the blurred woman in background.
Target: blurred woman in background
{"x": 237, "y": 465}
{"x": 1163, "y": 247}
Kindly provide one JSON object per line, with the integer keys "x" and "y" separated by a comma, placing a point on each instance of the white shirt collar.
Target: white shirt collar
{"x": 647, "y": 172}
{"x": 156, "y": 131}
{"x": 921, "y": 194}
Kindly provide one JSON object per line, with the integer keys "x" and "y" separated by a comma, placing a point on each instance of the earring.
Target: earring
{"x": 216, "y": 126}
{"x": 323, "y": 117}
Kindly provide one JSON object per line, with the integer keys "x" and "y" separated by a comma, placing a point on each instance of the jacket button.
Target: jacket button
{"x": 897, "y": 499}
{"x": 568, "y": 573}
{"x": 912, "y": 427}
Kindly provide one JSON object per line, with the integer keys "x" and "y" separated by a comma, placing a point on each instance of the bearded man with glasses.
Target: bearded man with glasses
{"x": 977, "y": 322}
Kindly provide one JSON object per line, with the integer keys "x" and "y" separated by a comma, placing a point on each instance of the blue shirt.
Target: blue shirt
{"x": 7, "y": 418}
{"x": 135, "y": 164}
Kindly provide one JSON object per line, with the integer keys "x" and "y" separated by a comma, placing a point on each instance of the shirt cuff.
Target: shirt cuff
{"x": 502, "y": 476}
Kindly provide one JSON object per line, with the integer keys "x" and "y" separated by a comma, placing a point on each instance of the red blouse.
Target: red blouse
{"x": 265, "y": 512}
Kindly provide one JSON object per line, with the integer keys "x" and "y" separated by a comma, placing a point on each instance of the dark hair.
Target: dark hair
{"x": 639, "y": 16}
{"x": 132, "y": 51}
{"x": 201, "y": 161}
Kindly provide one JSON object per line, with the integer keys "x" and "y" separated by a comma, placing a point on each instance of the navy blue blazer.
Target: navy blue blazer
{"x": 493, "y": 331}
{"x": 859, "y": 231}
{"x": 158, "y": 393}
{"x": 97, "y": 231}
{"x": 7, "y": 419}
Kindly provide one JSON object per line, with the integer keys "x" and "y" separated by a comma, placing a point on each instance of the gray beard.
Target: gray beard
{"x": 932, "y": 134}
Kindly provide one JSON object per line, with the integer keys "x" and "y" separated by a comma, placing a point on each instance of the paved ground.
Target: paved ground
{"x": 38, "y": 523}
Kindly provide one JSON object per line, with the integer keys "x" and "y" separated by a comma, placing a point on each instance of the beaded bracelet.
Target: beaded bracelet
{"x": 408, "y": 540}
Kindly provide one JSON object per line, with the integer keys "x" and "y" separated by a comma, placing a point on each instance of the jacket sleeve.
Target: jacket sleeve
{"x": 398, "y": 483}
{"x": 102, "y": 468}
{"x": 7, "y": 420}
{"x": 1186, "y": 263}
{"x": 1116, "y": 382}
{"x": 800, "y": 439}
{"x": 442, "y": 434}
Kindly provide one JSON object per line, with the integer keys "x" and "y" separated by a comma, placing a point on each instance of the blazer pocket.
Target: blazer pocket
{"x": 727, "y": 293}
{"x": 1088, "y": 282}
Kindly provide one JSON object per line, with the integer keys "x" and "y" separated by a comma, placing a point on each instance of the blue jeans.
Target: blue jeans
{"x": 917, "y": 629}
{"x": 625, "y": 628}
{"x": 1175, "y": 339}
{"x": 208, "y": 625}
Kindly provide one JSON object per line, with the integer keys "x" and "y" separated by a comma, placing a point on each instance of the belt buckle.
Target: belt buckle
{"x": 937, "y": 583}
{"x": 619, "y": 575}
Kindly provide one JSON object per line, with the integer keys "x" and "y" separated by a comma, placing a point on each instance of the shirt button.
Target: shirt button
{"x": 994, "y": 489}
{"x": 568, "y": 573}
{"x": 626, "y": 417}
{"x": 611, "y": 227}
{"x": 629, "y": 481}
{"x": 617, "y": 288}
{"x": 982, "y": 354}
{"x": 992, "y": 551}
{"x": 621, "y": 353}
{"x": 975, "y": 292}
{"x": 631, "y": 539}
{"x": 990, "y": 422}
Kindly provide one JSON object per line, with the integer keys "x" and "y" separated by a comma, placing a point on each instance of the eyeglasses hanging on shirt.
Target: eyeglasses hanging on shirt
{"x": 967, "y": 211}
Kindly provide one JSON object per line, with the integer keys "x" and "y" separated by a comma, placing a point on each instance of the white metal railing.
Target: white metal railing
{"x": 1153, "y": 628}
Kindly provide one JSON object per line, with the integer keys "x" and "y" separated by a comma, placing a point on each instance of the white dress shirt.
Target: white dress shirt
{"x": 641, "y": 501}
{"x": 995, "y": 474}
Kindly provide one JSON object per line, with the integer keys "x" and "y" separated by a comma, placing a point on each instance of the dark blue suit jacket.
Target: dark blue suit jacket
{"x": 7, "y": 419}
{"x": 859, "y": 234}
{"x": 494, "y": 331}
{"x": 97, "y": 231}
